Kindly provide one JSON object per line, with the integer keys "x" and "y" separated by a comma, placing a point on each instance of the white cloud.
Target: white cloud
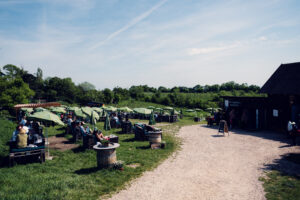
{"x": 129, "y": 25}
{"x": 197, "y": 51}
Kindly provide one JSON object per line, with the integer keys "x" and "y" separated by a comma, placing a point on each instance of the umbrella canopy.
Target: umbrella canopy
{"x": 107, "y": 123}
{"x": 58, "y": 110}
{"x": 93, "y": 118}
{"x": 151, "y": 107}
{"x": 190, "y": 110}
{"x": 198, "y": 109}
{"x": 168, "y": 108}
{"x": 46, "y": 116}
{"x": 97, "y": 109}
{"x": 152, "y": 119}
{"x": 39, "y": 109}
{"x": 27, "y": 109}
{"x": 211, "y": 109}
{"x": 89, "y": 111}
{"x": 79, "y": 113}
{"x": 73, "y": 108}
{"x": 144, "y": 111}
{"x": 111, "y": 108}
{"x": 125, "y": 109}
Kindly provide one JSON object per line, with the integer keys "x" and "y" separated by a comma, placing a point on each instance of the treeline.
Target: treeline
{"x": 19, "y": 86}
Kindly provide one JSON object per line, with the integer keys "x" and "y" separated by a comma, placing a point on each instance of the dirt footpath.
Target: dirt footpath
{"x": 210, "y": 166}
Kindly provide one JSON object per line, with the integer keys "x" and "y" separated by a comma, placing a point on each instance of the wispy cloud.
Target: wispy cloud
{"x": 197, "y": 51}
{"x": 129, "y": 25}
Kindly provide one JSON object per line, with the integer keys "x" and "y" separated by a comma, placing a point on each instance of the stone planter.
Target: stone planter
{"x": 106, "y": 155}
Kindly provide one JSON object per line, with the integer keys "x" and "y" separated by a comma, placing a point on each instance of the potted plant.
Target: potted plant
{"x": 105, "y": 142}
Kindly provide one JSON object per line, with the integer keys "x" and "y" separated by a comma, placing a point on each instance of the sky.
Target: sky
{"x": 169, "y": 43}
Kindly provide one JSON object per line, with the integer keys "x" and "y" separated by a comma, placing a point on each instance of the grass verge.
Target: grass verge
{"x": 283, "y": 181}
{"x": 278, "y": 186}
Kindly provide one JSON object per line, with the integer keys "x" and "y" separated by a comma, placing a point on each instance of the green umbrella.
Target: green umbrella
{"x": 107, "y": 123}
{"x": 39, "y": 109}
{"x": 46, "y": 116}
{"x": 143, "y": 111}
{"x": 111, "y": 109}
{"x": 89, "y": 111}
{"x": 211, "y": 109}
{"x": 58, "y": 110}
{"x": 73, "y": 108}
{"x": 125, "y": 109}
{"x": 190, "y": 110}
{"x": 168, "y": 108}
{"x": 152, "y": 119}
{"x": 93, "y": 119}
{"x": 79, "y": 113}
{"x": 29, "y": 110}
{"x": 151, "y": 107}
{"x": 198, "y": 109}
{"x": 98, "y": 110}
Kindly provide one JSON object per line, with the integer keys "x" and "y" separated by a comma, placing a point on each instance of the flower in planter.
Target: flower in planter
{"x": 104, "y": 142}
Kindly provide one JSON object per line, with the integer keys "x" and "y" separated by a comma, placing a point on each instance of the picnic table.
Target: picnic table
{"x": 27, "y": 152}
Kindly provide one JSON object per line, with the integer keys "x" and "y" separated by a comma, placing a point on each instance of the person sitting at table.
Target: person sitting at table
{"x": 99, "y": 136}
{"x": 23, "y": 121}
{"x": 115, "y": 117}
{"x": 82, "y": 129}
{"x": 15, "y": 133}
{"x": 22, "y": 139}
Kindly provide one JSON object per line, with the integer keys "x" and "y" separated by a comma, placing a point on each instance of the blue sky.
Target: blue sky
{"x": 155, "y": 42}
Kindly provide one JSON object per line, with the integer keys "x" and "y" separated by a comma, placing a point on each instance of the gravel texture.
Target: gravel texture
{"x": 211, "y": 166}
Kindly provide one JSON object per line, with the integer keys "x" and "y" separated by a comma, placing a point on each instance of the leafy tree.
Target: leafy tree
{"x": 86, "y": 86}
{"x": 12, "y": 71}
{"x": 14, "y": 91}
{"x": 108, "y": 95}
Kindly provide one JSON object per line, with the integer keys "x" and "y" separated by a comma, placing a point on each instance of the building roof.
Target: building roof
{"x": 35, "y": 105}
{"x": 285, "y": 80}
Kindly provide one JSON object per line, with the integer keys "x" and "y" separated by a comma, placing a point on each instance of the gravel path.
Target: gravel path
{"x": 210, "y": 166}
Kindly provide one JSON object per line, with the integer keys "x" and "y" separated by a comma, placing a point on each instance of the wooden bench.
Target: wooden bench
{"x": 27, "y": 152}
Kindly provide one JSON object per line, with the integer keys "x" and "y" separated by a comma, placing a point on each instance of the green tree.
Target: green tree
{"x": 14, "y": 91}
{"x": 86, "y": 86}
{"x": 108, "y": 95}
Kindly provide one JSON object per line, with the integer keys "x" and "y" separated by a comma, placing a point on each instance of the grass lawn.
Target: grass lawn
{"x": 278, "y": 185}
{"x": 73, "y": 174}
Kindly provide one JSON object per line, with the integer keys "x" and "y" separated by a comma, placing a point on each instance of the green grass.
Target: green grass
{"x": 73, "y": 174}
{"x": 281, "y": 187}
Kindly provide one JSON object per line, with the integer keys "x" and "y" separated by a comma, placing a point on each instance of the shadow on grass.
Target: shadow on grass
{"x": 129, "y": 140}
{"x": 87, "y": 171}
{"x": 288, "y": 164}
{"x": 144, "y": 147}
{"x": 79, "y": 149}
{"x": 3, "y": 161}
